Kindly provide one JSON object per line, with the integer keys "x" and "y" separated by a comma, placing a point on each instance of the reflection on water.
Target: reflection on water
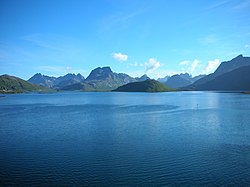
{"x": 131, "y": 139}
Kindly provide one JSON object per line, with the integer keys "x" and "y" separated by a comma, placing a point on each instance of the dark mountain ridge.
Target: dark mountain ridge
{"x": 217, "y": 81}
{"x": 224, "y": 67}
{"x": 235, "y": 80}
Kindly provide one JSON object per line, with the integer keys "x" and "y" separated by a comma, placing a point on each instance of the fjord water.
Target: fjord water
{"x": 130, "y": 139}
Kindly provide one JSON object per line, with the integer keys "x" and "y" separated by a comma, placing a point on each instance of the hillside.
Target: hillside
{"x": 236, "y": 80}
{"x": 144, "y": 86}
{"x": 80, "y": 87}
{"x": 224, "y": 67}
{"x": 11, "y": 84}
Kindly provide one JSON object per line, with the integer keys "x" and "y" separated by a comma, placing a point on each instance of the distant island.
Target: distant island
{"x": 231, "y": 75}
{"x": 144, "y": 86}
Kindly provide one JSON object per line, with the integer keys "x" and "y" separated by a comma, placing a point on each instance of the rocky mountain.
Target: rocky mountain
{"x": 144, "y": 86}
{"x": 181, "y": 80}
{"x": 235, "y": 80}
{"x": 100, "y": 74}
{"x": 225, "y": 67}
{"x": 67, "y": 80}
{"x": 56, "y": 83}
{"x": 142, "y": 78}
{"x": 177, "y": 81}
{"x": 164, "y": 79}
{"x": 101, "y": 79}
{"x": 12, "y": 84}
{"x": 186, "y": 76}
{"x": 42, "y": 80}
{"x": 233, "y": 64}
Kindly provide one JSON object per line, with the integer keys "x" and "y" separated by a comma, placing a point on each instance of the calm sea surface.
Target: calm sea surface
{"x": 127, "y": 139}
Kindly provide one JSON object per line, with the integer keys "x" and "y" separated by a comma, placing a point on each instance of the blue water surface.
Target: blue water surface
{"x": 125, "y": 139}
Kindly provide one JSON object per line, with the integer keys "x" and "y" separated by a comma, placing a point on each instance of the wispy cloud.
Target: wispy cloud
{"x": 136, "y": 64}
{"x": 52, "y": 42}
{"x": 184, "y": 63}
{"x": 120, "y": 57}
{"x": 211, "y": 66}
{"x": 46, "y": 48}
{"x": 236, "y": 5}
{"x": 219, "y": 4}
{"x": 41, "y": 41}
{"x": 59, "y": 70}
{"x": 151, "y": 65}
{"x": 241, "y": 5}
{"x": 118, "y": 20}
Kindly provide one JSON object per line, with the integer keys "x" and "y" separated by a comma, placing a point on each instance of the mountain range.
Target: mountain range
{"x": 56, "y": 82}
{"x": 235, "y": 80}
{"x": 100, "y": 79}
{"x": 233, "y": 75}
{"x": 179, "y": 80}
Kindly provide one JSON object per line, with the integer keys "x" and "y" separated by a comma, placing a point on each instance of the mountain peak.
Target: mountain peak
{"x": 224, "y": 68}
{"x": 145, "y": 75}
{"x": 99, "y": 73}
{"x": 239, "y": 56}
{"x": 142, "y": 78}
{"x": 106, "y": 68}
{"x": 80, "y": 76}
{"x": 38, "y": 74}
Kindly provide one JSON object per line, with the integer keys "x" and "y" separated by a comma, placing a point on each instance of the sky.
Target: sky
{"x": 153, "y": 37}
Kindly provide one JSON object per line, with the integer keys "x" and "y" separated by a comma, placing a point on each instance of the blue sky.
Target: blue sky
{"x": 157, "y": 37}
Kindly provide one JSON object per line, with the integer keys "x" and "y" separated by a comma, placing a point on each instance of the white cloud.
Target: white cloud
{"x": 211, "y": 67}
{"x": 194, "y": 65}
{"x": 136, "y": 64}
{"x": 120, "y": 57}
{"x": 247, "y": 46}
{"x": 151, "y": 65}
{"x": 185, "y": 62}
